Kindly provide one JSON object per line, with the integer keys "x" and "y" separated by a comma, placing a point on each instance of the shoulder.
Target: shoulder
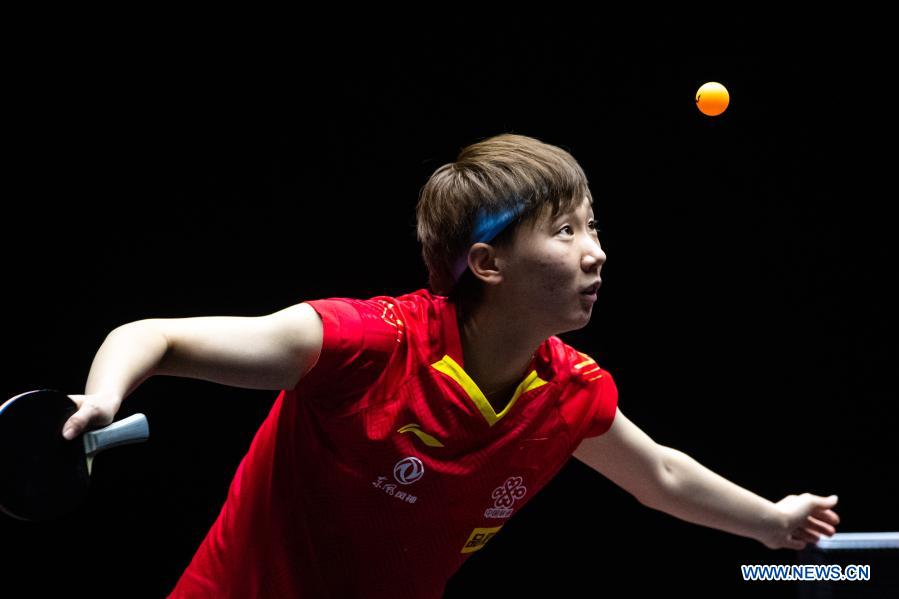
{"x": 375, "y": 325}
{"x": 363, "y": 341}
{"x": 589, "y": 397}
{"x": 384, "y": 307}
{"x": 379, "y": 310}
{"x": 575, "y": 366}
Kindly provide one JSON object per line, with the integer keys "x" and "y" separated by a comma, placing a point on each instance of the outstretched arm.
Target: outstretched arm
{"x": 692, "y": 492}
{"x": 670, "y": 481}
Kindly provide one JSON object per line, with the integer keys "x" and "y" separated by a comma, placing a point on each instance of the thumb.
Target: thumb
{"x": 827, "y": 501}
{"x": 77, "y": 422}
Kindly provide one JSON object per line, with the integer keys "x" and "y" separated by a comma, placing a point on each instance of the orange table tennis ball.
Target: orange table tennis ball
{"x": 712, "y": 98}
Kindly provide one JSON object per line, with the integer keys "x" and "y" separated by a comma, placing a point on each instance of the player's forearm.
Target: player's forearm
{"x": 128, "y": 356}
{"x": 695, "y": 494}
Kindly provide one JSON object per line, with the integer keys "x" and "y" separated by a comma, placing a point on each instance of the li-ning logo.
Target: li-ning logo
{"x": 504, "y": 497}
{"x": 414, "y": 428}
{"x": 408, "y": 470}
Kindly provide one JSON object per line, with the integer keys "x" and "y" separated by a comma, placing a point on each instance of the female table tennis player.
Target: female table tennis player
{"x": 410, "y": 428}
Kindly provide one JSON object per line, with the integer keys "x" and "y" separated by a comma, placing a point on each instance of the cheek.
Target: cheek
{"x": 549, "y": 271}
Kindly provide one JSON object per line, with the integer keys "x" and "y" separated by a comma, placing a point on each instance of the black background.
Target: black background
{"x": 747, "y": 311}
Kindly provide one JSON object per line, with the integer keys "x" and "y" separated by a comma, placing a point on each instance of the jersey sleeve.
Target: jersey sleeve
{"x": 590, "y": 399}
{"x": 604, "y": 405}
{"x": 359, "y": 338}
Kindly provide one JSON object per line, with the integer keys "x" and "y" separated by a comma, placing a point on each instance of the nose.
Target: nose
{"x": 594, "y": 254}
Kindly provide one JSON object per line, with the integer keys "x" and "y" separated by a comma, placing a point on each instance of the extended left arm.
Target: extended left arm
{"x": 693, "y": 493}
{"x": 670, "y": 481}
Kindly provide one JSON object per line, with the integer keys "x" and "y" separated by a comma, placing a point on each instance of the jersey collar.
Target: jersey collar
{"x": 452, "y": 365}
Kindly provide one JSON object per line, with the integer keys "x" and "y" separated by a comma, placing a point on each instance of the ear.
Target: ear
{"x": 485, "y": 262}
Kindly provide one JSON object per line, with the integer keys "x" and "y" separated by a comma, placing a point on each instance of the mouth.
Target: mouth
{"x": 592, "y": 289}
{"x": 590, "y": 292}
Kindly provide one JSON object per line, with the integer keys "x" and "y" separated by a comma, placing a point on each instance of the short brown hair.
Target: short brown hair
{"x": 493, "y": 174}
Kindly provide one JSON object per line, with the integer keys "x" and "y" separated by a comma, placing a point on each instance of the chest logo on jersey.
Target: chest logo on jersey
{"x": 505, "y": 496}
{"x": 407, "y": 471}
{"x": 415, "y": 429}
{"x": 479, "y": 538}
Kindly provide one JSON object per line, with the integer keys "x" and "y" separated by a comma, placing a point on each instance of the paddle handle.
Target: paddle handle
{"x": 133, "y": 429}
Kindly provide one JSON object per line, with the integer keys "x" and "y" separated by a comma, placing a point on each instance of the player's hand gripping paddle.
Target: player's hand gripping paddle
{"x": 43, "y": 475}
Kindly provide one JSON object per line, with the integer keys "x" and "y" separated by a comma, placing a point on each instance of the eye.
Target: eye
{"x": 591, "y": 224}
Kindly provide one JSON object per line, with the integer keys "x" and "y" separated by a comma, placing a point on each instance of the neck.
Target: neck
{"x": 496, "y": 349}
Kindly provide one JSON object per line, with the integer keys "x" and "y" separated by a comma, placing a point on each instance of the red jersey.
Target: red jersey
{"x": 386, "y": 467}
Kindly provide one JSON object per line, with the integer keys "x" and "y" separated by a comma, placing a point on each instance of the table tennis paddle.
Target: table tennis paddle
{"x": 42, "y": 475}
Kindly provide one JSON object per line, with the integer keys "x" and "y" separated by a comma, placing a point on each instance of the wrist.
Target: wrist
{"x": 774, "y": 526}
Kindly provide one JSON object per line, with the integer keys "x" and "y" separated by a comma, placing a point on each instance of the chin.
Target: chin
{"x": 583, "y": 322}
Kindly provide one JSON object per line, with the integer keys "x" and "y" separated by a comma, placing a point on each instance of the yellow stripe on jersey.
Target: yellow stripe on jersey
{"x": 428, "y": 439}
{"x": 452, "y": 369}
{"x": 590, "y": 367}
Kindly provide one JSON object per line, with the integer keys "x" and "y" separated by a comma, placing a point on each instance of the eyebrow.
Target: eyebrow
{"x": 564, "y": 214}
{"x": 551, "y": 222}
